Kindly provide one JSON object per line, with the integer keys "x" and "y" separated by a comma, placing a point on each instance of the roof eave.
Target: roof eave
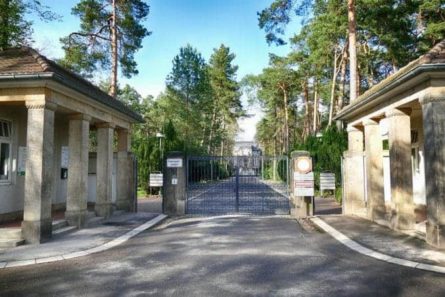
{"x": 349, "y": 111}
{"x": 135, "y": 117}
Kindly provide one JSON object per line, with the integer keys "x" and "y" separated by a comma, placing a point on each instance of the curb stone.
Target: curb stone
{"x": 106, "y": 246}
{"x": 371, "y": 253}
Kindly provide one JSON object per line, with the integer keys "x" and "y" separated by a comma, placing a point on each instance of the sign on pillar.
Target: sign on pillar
{"x": 302, "y": 184}
{"x": 174, "y": 184}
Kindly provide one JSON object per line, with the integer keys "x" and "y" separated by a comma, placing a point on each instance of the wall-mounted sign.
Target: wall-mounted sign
{"x": 174, "y": 181}
{"x": 21, "y": 163}
{"x": 327, "y": 181}
{"x": 156, "y": 180}
{"x": 303, "y": 164}
{"x": 65, "y": 157}
{"x": 174, "y": 163}
{"x": 303, "y": 184}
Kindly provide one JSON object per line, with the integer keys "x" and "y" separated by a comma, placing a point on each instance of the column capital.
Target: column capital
{"x": 80, "y": 117}
{"x": 41, "y": 105}
{"x": 105, "y": 125}
{"x": 397, "y": 112}
{"x": 430, "y": 96}
{"x": 352, "y": 129}
{"x": 370, "y": 122}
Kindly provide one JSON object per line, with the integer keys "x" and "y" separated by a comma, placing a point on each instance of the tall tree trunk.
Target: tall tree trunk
{"x": 212, "y": 126}
{"x": 333, "y": 85}
{"x": 286, "y": 117}
{"x": 353, "y": 91}
{"x": 114, "y": 51}
{"x": 315, "y": 109}
{"x": 306, "y": 123}
{"x": 341, "y": 90}
{"x": 342, "y": 68}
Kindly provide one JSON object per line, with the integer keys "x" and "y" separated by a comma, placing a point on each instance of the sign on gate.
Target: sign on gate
{"x": 303, "y": 184}
{"x": 156, "y": 180}
{"x": 327, "y": 181}
{"x": 174, "y": 163}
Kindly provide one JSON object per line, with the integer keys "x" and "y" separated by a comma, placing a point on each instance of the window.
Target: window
{"x": 5, "y": 151}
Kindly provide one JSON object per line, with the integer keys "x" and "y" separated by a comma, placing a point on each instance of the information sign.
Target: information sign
{"x": 156, "y": 180}
{"x": 174, "y": 163}
{"x": 303, "y": 184}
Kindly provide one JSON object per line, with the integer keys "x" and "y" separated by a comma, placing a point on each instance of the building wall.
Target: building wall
{"x": 12, "y": 193}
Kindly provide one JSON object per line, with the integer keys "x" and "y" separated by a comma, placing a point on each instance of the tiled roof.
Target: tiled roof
{"x": 25, "y": 62}
{"x": 434, "y": 56}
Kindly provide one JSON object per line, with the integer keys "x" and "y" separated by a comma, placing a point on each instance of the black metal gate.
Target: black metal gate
{"x": 239, "y": 184}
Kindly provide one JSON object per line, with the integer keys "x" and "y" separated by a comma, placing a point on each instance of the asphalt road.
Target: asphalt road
{"x": 243, "y": 256}
{"x": 254, "y": 197}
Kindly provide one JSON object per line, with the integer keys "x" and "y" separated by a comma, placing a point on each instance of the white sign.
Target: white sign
{"x": 304, "y": 164}
{"x": 174, "y": 163}
{"x": 327, "y": 181}
{"x": 21, "y": 166}
{"x": 303, "y": 184}
{"x": 174, "y": 181}
{"x": 156, "y": 180}
{"x": 65, "y": 157}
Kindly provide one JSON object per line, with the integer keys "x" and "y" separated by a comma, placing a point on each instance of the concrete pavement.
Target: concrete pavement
{"x": 386, "y": 241}
{"x": 96, "y": 238}
{"x": 223, "y": 256}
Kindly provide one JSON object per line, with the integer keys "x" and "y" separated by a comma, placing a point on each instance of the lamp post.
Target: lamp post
{"x": 161, "y": 149}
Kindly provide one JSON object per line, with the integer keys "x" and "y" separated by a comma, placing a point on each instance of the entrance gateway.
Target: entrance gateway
{"x": 253, "y": 185}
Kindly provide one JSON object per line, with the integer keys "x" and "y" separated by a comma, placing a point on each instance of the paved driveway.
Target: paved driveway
{"x": 254, "y": 197}
{"x": 236, "y": 256}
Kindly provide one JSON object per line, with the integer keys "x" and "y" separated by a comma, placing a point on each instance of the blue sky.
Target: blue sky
{"x": 204, "y": 24}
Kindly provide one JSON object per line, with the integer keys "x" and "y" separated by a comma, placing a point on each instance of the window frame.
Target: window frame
{"x": 7, "y": 140}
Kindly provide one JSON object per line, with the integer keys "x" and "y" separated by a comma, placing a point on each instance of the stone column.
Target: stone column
{"x": 433, "y": 110}
{"x": 39, "y": 178}
{"x": 77, "y": 192}
{"x": 175, "y": 192}
{"x": 354, "y": 179}
{"x": 374, "y": 170}
{"x": 104, "y": 172}
{"x": 123, "y": 178}
{"x": 399, "y": 124}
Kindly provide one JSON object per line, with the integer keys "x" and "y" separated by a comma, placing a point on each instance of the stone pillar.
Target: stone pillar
{"x": 77, "y": 192}
{"x": 354, "y": 177}
{"x": 39, "y": 178}
{"x": 104, "y": 172}
{"x": 433, "y": 110}
{"x": 399, "y": 125}
{"x": 174, "y": 198}
{"x": 374, "y": 170}
{"x": 300, "y": 206}
{"x": 123, "y": 172}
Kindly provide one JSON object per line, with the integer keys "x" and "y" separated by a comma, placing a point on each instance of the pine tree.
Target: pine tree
{"x": 111, "y": 32}
{"x": 15, "y": 29}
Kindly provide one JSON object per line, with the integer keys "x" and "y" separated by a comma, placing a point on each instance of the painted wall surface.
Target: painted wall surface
{"x": 92, "y": 178}
{"x": 12, "y": 193}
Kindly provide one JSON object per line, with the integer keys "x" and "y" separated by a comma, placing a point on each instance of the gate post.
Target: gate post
{"x": 301, "y": 206}
{"x": 175, "y": 184}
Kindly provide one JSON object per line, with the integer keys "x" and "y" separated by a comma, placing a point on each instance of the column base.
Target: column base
{"x": 435, "y": 235}
{"x": 402, "y": 221}
{"x": 103, "y": 210}
{"x": 377, "y": 213}
{"x": 124, "y": 205}
{"x": 37, "y": 231}
{"x": 76, "y": 218}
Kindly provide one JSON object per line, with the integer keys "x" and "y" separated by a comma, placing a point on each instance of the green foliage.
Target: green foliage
{"x": 204, "y": 99}
{"x": 15, "y": 30}
{"x": 326, "y": 152}
{"x": 89, "y": 49}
